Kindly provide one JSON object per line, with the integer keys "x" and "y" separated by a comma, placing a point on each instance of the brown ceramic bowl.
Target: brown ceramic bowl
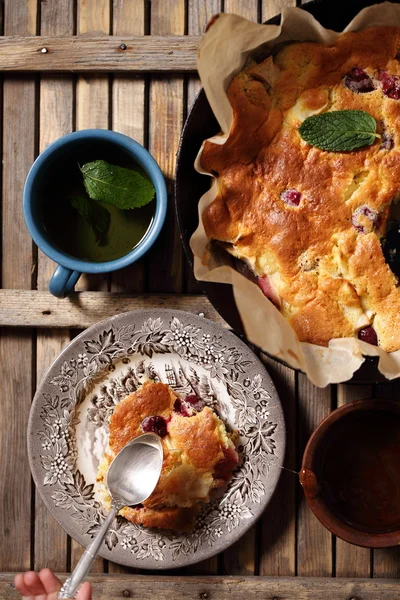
{"x": 351, "y": 473}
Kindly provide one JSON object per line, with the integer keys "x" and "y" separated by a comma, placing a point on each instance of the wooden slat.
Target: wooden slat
{"x": 228, "y": 588}
{"x": 239, "y": 559}
{"x": 55, "y": 120}
{"x": 270, "y": 8}
{"x": 166, "y": 109}
{"x": 278, "y": 534}
{"x": 166, "y": 53}
{"x": 16, "y": 346}
{"x": 277, "y": 541}
{"x": 277, "y": 550}
{"x": 92, "y": 107}
{"x": 245, "y": 8}
{"x": 386, "y": 562}
{"x": 128, "y": 117}
{"x": 314, "y": 542}
{"x": 166, "y": 114}
{"x": 26, "y": 308}
{"x": 352, "y": 561}
{"x": 18, "y": 155}
{"x": 200, "y": 13}
{"x": 92, "y": 98}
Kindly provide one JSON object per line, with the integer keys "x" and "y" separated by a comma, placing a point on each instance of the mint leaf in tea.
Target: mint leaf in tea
{"x": 123, "y": 188}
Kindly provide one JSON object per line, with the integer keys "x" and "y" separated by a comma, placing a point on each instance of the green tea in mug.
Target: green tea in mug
{"x": 89, "y": 229}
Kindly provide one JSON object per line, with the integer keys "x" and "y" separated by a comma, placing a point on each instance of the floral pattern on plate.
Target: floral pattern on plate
{"x": 69, "y": 421}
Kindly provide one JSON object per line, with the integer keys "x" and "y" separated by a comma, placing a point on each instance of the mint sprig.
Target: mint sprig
{"x": 339, "y": 130}
{"x": 115, "y": 185}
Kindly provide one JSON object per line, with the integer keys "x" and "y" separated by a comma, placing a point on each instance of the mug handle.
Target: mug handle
{"x": 63, "y": 281}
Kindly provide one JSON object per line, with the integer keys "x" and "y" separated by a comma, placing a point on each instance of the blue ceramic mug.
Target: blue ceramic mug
{"x": 69, "y": 267}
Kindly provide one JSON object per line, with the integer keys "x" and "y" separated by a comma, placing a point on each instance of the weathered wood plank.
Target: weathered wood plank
{"x": 276, "y": 552}
{"x": 93, "y": 98}
{"x": 128, "y": 117}
{"x": 57, "y": 19}
{"x": 314, "y": 542}
{"x": 30, "y": 308}
{"x": 16, "y": 391}
{"x": 166, "y": 114}
{"x": 93, "y": 17}
{"x": 245, "y": 8}
{"x": 18, "y": 150}
{"x": 228, "y": 588}
{"x": 155, "y": 53}
{"x": 270, "y": 8}
{"x": 19, "y": 153}
{"x": 200, "y": 13}
{"x": 166, "y": 108}
{"x": 239, "y": 559}
{"x": 352, "y": 561}
{"x": 92, "y": 111}
{"x": 386, "y": 562}
{"x": 55, "y": 120}
{"x": 278, "y": 533}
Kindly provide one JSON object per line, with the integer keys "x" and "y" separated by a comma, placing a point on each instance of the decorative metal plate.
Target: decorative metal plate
{"x": 67, "y": 430}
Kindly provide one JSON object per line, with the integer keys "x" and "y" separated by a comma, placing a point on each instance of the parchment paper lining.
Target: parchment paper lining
{"x": 223, "y": 52}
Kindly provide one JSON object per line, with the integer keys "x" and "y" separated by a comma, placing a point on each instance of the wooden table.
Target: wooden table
{"x": 39, "y": 106}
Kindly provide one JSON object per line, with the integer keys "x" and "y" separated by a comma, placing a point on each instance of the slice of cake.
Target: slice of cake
{"x": 199, "y": 454}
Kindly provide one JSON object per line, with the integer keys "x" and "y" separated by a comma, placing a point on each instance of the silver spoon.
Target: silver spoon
{"x": 131, "y": 479}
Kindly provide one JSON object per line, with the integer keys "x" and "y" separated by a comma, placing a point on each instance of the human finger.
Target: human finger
{"x": 20, "y": 585}
{"x": 33, "y": 584}
{"x": 85, "y": 592}
{"x": 50, "y": 582}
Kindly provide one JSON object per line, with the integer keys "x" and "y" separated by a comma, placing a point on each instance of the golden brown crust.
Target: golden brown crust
{"x": 174, "y": 518}
{"x": 199, "y": 438}
{"x": 195, "y": 449}
{"x": 150, "y": 399}
{"x": 332, "y": 278}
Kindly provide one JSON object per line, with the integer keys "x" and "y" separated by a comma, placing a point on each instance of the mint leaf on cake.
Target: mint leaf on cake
{"x": 339, "y": 130}
{"x": 121, "y": 187}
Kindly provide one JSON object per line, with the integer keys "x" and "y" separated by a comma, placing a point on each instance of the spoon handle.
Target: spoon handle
{"x": 71, "y": 585}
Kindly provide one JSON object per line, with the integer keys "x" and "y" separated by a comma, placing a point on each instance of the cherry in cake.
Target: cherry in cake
{"x": 368, "y": 334}
{"x": 155, "y": 424}
{"x": 359, "y": 81}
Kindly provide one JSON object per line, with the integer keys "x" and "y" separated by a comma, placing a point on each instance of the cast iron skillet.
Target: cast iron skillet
{"x": 190, "y": 185}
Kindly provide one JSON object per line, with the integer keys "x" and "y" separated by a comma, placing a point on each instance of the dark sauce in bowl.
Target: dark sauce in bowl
{"x": 358, "y": 471}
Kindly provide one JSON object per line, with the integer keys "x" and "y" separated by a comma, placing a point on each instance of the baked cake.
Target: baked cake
{"x": 318, "y": 229}
{"x": 199, "y": 454}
